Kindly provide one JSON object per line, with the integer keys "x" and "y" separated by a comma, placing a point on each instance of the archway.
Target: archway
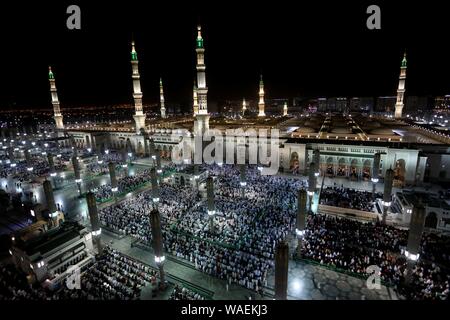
{"x": 329, "y": 167}
{"x": 293, "y": 162}
{"x": 431, "y": 220}
{"x": 366, "y": 170}
{"x": 354, "y": 169}
{"x": 182, "y": 181}
{"x": 399, "y": 173}
{"x": 342, "y": 168}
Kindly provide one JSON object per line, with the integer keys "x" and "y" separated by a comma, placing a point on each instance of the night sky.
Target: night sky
{"x": 320, "y": 49}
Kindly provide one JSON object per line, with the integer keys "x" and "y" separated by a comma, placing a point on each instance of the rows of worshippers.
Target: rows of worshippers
{"x": 124, "y": 184}
{"x": 348, "y": 198}
{"x": 20, "y": 171}
{"x": 353, "y": 246}
{"x": 240, "y": 249}
{"x": 113, "y": 276}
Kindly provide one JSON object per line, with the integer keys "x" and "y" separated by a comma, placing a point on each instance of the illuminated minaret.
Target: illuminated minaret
{"x": 285, "y": 109}
{"x": 244, "y": 106}
{"x": 261, "y": 99}
{"x": 161, "y": 99}
{"x": 195, "y": 100}
{"x": 55, "y": 101}
{"x": 139, "y": 116}
{"x": 401, "y": 89}
{"x": 202, "y": 118}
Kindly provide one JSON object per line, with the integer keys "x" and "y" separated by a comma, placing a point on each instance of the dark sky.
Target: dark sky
{"x": 303, "y": 49}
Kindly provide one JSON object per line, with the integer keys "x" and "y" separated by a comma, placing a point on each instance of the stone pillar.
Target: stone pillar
{"x": 95, "y": 222}
{"x": 76, "y": 170}
{"x": 316, "y": 160}
{"x": 311, "y": 184}
{"x": 11, "y": 156}
{"x": 152, "y": 150}
{"x": 414, "y": 238}
{"x": 387, "y": 197}
{"x": 301, "y": 219}
{"x": 155, "y": 186}
{"x": 49, "y": 197}
{"x": 112, "y": 175}
{"x": 243, "y": 178}
{"x": 28, "y": 159}
{"x": 281, "y": 270}
{"x": 375, "y": 173}
{"x": 157, "y": 242}
{"x": 158, "y": 163}
{"x": 211, "y": 205}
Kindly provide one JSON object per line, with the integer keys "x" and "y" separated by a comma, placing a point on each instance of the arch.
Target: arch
{"x": 354, "y": 169}
{"x": 182, "y": 182}
{"x": 399, "y": 173}
{"x": 366, "y": 175}
{"x": 329, "y": 167}
{"x": 293, "y": 161}
{"x": 342, "y": 168}
{"x": 431, "y": 220}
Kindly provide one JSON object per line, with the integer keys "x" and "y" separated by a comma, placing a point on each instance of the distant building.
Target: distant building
{"x": 386, "y": 104}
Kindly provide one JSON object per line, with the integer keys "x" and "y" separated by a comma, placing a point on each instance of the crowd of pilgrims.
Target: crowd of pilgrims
{"x": 347, "y": 198}
{"x": 124, "y": 184}
{"x": 113, "y": 276}
{"x": 353, "y": 246}
{"x": 20, "y": 172}
{"x": 240, "y": 249}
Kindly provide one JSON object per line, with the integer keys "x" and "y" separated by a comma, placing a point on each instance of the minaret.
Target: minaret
{"x": 55, "y": 101}
{"x": 161, "y": 99}
{"x": 261, "y": 99}
{"x": 195, "y": 100}
{"x": 285, "y": 109}
{"x": 401, "y": 89}
{"x": 139, "y": 116}
{"x": 202, "y": 118}
{"x": 244, "y": 106}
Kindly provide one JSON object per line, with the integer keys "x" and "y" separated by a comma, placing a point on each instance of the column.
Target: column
{"x": 155, "y": 186}
{"x": 243, "y": 178}
{"x": 112, "y": 175}
{"x": 95, "y": 222}
{"x": 76, "y": 170}
{"x": 157, "y": 242}
{"x": 387, "y": 198}
{"x": 416, "y": 226}
{"x": 49, "y": 197}
{"x": 301, "y": 219}
{"x": 281, "y": 270}
{"x": 211, "y": 204}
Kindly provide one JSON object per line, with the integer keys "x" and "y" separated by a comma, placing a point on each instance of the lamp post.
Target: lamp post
{"x": 157, "y": 241}
{"x": 375, "y": 173}
{"x": 281, "y": 270}
{"x": 243, "y": 178}
{"x": 311, "y": 184}
{"x": 387, "y": 197}
{"x": 211, "y": 204}
{"x": 301, "y": 219}
{"x": 95, "y": 223}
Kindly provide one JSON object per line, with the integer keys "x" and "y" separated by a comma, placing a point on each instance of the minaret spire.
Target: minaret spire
{"x": 285, "y": 109}
{"x": 161, "y": 99}
{"x": 195, "y": 99}
{"x": 55, "y": 101}
{"x": 202, "y": 90}
{"x": 401, "y": 89}
{"x": 139, "y": 116}
{"x": 244, "y": 106}
{"x": 261, "y": 104}
{"x": 202, "y": 117}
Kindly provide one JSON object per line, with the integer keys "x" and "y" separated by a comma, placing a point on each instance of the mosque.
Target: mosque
{"x": 347, "y": 142}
